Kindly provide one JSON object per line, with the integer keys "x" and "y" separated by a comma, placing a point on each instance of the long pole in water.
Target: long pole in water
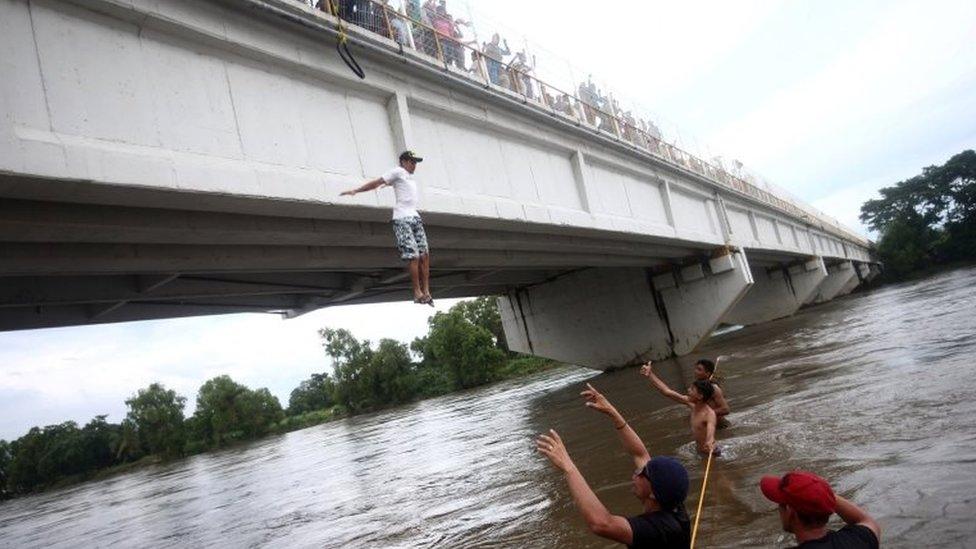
{"x": 708, "y": 467}
{"x": 701, "y": 499}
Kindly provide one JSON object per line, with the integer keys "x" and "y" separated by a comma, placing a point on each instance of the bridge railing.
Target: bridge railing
{"x": 435, "y": 36}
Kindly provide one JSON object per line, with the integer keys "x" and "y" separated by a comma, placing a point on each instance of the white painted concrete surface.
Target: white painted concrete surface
{"x": 778, "y": 292}
{"x": 839, "y": 277}
{"x": 609, "y": 317}
{"x": 203, "y": 144}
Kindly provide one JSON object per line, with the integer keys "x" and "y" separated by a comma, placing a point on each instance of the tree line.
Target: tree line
{"x": 463, "y": 348}
{"x": 927, "y": 220}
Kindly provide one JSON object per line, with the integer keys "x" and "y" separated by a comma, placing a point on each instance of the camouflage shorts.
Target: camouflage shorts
{"x": 411, "y": 240}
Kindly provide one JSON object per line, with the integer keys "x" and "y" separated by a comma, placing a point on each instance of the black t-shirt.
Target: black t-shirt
{"x": 661, "y": 529}
{"x": 852, "y": 536}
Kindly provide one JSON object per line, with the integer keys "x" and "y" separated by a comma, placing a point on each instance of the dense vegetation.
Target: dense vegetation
{"x": 927, "y": 220}
{"x": 464, "y": 348}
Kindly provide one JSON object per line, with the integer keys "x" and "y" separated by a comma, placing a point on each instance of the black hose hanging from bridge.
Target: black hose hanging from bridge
{"x": 342, "y": 46}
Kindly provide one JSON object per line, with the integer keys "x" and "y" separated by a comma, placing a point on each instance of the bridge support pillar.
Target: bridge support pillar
{"x": 839, "y": 277}
{"x": 778, "y": 292}
{"x": 863, "y": 273}
{"x": 605, "y": 317}
{"x": 854, "y": 281}
{"x": 873, "y": 271}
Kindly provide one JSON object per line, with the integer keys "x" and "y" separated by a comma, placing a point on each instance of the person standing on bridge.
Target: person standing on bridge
{"x": 408, "y": 228}
{"x": 659, "y": 482}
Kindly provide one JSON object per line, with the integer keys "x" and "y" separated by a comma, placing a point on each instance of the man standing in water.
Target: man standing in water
{"x": 408, "y": 229}
{"x": 703, "y": 418}
{"x": 705, "y": 370}
{"x": 660, "y": 483}
{"x": 805, "y": 505}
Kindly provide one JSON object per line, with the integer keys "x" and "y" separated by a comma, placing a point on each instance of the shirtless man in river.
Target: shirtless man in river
{"x": 703, "y": 418}
{"x": 705, "y": 370}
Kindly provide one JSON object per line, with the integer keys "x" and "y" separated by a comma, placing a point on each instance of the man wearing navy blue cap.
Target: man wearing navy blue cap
{"x": 660, "y": 483}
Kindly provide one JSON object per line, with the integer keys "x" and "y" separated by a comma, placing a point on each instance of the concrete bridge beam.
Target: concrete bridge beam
{"x": 840, "y": 276}
{"x": 778, "y": 291}
{"x": 606, "y": 317}
{"x": 854, "y": 281}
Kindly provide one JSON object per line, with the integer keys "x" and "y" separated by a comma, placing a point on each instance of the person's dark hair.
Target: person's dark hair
{"x": 812, "y": 520}
{"x": 704, "y": 388}
{"x": 708, "y": 365}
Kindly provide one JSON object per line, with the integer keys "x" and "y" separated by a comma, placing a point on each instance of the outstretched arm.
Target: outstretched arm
{"x": 597, "y": 517}
{"x": 374, "y": 184}
{"x": 852, "y": 514}
{"x": 647, "y": 370}
{"x": 631, "y": 442}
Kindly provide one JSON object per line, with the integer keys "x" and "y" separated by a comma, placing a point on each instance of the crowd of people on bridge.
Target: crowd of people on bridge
{"x": 431, "y": 28}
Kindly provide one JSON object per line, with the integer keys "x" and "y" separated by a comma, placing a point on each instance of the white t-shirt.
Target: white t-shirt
{"x": 405, "y": 189}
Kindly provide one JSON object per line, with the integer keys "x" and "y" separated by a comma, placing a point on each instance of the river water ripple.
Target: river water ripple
{"x": 871, "y": 391}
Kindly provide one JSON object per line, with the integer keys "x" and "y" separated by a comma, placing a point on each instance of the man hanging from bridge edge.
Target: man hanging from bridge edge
{"x": 408, "y": 228}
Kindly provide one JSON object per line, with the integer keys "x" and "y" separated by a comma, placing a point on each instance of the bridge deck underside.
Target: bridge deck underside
{"x": 70, "y": 263}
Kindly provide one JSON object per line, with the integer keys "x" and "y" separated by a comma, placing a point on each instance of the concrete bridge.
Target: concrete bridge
{"x": 177, "y": 158}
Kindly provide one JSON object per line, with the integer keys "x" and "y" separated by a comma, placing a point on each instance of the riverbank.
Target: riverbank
{"x": 519, "y": 366}
{"x": 513, "y": 368}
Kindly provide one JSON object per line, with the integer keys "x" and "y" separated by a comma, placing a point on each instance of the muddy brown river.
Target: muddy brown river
{"x": 872, "y": 391}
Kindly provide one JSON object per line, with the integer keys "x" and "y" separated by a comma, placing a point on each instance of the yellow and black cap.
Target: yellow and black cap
{"x": 410, "y": 155}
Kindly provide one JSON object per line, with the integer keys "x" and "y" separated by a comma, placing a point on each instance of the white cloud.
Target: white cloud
{"x": 913, "y": 51}
{"x": 77, "y": 373}
{"x": 827, "y": 121}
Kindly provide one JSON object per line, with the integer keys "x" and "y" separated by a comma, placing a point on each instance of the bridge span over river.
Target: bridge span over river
{"x": 178, "y": 158}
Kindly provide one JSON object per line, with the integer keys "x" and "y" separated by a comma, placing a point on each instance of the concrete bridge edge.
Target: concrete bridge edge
{"x": 607, "y": 317}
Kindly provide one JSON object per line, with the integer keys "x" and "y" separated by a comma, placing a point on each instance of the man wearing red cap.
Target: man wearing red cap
{"x": 805, "y": 505}
{"x": 659, "y": 482}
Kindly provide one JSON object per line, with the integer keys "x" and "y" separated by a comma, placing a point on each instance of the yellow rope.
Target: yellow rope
{"x": 708, "y": 467}
{"x": 334, "y": 9}
{"x": 701, "y": 499}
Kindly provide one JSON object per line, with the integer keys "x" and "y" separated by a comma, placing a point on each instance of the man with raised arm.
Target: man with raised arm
{"x": 805, "y": 505}
{"x": 660, "y": 483}
{"x": 703, "y": 418}
{"x": 408, "y": 228}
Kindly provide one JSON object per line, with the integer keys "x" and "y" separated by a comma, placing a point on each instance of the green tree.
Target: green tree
{"x": 315, "y": 393}
{"x": 350, "y": 359}
{"x": 926, "y": 219}
{"x": 259, "y": 411}
{"x": 390, "y": 373}
{"x": 466, "y": 351}
{"x": 5, "y": 458}
{"x": 228, "y": 411}
{"x": 217, "y": 410}
{"x": 483, "y": 312}
{"x": 46, "y": 454}
{"x": 129, "y": 446}
{"x": 157, "y": 414}
{"x": 100, "y": 441}
{"x": 365, "y": 378}
{"x": 907, "y": 245}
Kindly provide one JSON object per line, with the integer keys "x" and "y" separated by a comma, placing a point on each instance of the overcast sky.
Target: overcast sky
{"x": 830, "y": 100}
